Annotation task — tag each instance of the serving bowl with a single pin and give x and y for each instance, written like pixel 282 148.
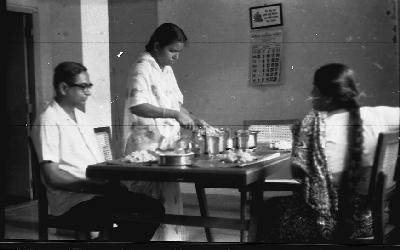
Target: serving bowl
pixel 174 159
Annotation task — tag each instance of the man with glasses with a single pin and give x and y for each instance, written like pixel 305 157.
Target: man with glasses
pixel 66 144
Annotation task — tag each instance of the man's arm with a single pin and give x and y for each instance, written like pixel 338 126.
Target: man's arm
pixel 57 178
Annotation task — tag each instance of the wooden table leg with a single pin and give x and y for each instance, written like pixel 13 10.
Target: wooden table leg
pixel 243 205
pixel 201 197
pixel 2 219
pixel 255 205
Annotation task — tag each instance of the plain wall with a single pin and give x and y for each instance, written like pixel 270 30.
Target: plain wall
pixel 60 35
pixel 213 71
pixel 95 56
pixel 131 23
pixel 65 16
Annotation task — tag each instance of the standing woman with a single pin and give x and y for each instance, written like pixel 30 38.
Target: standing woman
pixel 154 110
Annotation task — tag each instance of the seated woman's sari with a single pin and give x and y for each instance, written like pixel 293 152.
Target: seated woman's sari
pixel 312 214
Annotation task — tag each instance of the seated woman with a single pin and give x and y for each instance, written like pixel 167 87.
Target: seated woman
pixel 333 151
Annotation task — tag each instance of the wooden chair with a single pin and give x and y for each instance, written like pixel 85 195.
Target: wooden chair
pixel 103 135
pixel 2 206
pixel 269 131
pixel 273 131
pixel 381 188
pixel 46 221
pixel 383 184
pixel 394 207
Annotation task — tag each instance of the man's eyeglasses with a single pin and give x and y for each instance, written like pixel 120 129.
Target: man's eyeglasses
pixel 84 86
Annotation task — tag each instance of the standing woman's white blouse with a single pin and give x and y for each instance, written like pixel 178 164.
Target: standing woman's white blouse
pixel 148 83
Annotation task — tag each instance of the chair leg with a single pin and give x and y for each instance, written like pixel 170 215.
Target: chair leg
pixel 2 220
pixel 106 233
pixel 79 235
pixel 243 205
pixel 256 201
pixel 43 232
pixel 201 196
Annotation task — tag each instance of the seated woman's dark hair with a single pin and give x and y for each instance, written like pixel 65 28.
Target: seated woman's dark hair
pixel 67 72
pixel 165 34
pixel 337 81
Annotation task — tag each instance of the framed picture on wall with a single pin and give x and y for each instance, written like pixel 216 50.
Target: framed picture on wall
pixel 266 16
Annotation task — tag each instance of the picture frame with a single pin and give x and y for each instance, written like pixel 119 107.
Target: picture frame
pixel 266 16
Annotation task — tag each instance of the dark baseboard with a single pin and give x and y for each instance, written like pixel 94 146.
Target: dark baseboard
pixel 13 200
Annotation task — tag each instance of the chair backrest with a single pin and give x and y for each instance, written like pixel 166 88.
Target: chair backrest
pixel 271 130
pixel 103 135
pixel 383 183
pixel 40 191
pixel 385 159
pixel 378 209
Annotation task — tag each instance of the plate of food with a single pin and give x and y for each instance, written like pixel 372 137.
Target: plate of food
pixel 236 156
pixel 144 157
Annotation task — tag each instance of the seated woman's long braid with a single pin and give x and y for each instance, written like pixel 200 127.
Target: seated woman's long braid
pixel 338 84
pixel 352 172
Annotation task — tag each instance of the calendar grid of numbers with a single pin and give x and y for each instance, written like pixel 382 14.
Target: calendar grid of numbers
pixel 265 57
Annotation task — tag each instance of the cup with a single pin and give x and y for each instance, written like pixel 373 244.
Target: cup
pixel 252 143
pixel 199 143
pixel 212 145
pixel 222 145
pixel 242 139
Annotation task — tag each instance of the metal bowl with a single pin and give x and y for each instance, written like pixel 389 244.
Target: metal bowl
pixel 175 159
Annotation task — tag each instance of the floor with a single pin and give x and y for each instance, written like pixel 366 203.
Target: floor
pixel 11 200
pixel 21 219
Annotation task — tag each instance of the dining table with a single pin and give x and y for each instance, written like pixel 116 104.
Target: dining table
pixel 205 171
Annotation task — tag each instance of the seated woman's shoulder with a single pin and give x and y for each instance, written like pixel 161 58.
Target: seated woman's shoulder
pixel 381 109
pixel 381 114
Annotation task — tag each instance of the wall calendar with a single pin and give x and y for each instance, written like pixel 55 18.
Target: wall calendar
pixel 265 56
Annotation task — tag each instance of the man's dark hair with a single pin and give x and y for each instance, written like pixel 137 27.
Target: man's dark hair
pixel 67 72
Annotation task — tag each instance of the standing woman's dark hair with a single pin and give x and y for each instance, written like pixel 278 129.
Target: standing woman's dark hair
pixel 165 34
pixel 337 82
pixel 67 72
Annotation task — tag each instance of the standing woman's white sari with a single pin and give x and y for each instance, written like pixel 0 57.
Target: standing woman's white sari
pixel 148 83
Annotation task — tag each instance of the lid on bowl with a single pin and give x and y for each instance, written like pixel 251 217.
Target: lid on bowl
pixel 173 153
pixel 242 131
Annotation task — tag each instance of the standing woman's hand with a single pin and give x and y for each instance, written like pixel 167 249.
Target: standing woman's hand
pixel 201 123
pixel 185 120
